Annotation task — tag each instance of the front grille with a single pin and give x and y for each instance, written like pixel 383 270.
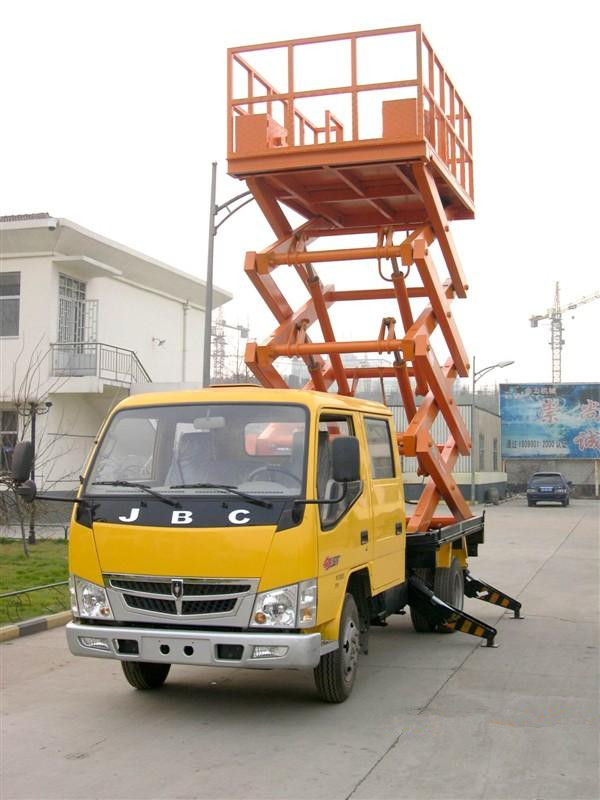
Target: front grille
pixel 207 606
pixel 152 587
pixel 189 589
pixel 214 588
pixel 181 597
pixel 151 604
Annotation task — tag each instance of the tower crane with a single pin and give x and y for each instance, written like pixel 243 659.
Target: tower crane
pixel 554 314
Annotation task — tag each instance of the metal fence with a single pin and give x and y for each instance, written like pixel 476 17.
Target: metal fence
pixel 117 364
pixel 34 601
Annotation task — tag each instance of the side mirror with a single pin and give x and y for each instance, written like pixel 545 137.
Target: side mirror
pixel 22 462
pixel 27 491
pixel 345 456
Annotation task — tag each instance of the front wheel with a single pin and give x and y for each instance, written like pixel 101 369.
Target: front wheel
pixel 144 675
pixel 336 672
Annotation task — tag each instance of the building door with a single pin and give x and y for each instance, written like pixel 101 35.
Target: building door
pixel 77 329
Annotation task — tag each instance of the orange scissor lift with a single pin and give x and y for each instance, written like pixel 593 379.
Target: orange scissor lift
pixel 400 189
pixel 384 160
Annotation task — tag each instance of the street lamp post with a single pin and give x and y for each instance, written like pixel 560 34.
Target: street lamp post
pixel 476 375
pixel 213 227
pixel 36 409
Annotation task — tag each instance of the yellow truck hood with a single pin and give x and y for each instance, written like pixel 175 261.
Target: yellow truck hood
pixel 235 552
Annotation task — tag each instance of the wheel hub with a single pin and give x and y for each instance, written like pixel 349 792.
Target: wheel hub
pixel 350 650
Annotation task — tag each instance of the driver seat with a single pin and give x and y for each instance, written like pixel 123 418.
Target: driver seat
pixel 194 459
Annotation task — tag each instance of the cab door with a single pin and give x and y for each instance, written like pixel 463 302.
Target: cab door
pixel 387 502
pixel 345 538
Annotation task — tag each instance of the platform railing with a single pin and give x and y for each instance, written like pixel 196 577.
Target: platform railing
pixel 441 115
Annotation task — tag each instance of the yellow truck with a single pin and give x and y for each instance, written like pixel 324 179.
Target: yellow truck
pixel 255 528
pixel 263 527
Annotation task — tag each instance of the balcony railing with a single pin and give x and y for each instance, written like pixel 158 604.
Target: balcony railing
pixel 105 361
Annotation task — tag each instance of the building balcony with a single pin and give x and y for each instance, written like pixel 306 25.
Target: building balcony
pixel 105 363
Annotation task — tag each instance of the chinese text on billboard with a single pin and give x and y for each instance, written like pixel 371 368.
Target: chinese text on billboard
pixel 550 420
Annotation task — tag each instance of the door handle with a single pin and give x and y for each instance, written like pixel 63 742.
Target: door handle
pixel 364 537
pixel 399 529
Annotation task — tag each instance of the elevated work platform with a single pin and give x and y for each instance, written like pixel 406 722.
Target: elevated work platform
pixel 345 151
pixel 382 147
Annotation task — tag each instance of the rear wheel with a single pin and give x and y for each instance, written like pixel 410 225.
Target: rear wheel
pixel 419 621
pixel 144 675
pixel 336 672
pixel 449 586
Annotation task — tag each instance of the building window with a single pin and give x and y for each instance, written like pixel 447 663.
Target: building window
pixel 71 287
pixel 481 452
pixel 495 456
pixel 71 310
pixel 9 424
pixel 10 298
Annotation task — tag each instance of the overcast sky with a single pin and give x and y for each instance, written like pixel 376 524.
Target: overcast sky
pixel 113 111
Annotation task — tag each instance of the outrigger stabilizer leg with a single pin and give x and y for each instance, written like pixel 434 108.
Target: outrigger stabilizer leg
pixel 439 612
pixel 483 591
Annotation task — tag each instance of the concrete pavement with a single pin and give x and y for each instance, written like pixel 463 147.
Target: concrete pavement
pixel 431 716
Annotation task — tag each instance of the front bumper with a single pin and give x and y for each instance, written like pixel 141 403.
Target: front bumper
pixel 198 647
pixel 552 497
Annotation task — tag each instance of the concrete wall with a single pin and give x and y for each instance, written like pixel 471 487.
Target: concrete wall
pixel 37 322
pixel 131 317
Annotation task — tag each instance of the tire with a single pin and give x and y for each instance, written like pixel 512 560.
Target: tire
pixel 449 586
pixel 420 622
pixel 336 671
pixel 530 503
pixel 144 675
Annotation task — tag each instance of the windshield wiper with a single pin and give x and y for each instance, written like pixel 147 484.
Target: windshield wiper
pixel 143 487
pixel 256 500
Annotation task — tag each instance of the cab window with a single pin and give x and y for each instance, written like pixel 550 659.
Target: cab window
pixel 331 426
pixel 379 443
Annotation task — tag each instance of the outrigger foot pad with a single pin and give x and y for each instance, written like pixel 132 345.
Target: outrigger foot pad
pixel 438 612
pixel 483 591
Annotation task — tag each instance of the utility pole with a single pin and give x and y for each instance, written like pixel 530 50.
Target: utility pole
pixel 476 375
pixel 213 227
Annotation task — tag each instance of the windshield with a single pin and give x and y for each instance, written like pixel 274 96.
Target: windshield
pixel 547 480
pixel 202 449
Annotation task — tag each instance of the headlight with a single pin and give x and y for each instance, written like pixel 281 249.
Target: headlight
pixel 292 606
pixel 89 599
pixel 530 490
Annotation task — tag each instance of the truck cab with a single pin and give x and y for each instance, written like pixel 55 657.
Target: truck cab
pixel 238 527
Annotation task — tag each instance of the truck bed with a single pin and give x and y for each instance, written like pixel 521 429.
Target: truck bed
pixel 420 547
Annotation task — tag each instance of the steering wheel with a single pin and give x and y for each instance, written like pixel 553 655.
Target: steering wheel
pixel 274 468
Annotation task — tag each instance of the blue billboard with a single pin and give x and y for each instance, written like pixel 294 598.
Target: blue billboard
pixel 550 420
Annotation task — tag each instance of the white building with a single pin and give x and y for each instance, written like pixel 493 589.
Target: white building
pixel 82 318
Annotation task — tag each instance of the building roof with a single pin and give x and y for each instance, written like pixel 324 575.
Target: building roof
pixel 22 217
pixel 41 234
